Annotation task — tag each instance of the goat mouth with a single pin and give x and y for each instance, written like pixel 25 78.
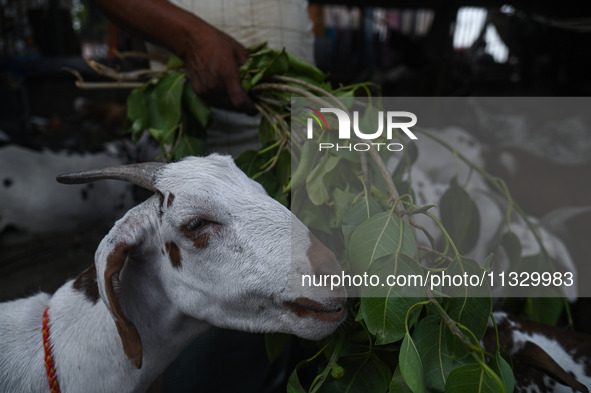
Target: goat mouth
pixel 303 307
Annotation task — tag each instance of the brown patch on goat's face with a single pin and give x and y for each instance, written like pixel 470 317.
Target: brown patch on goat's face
pixel 201 235
pixel 86 282
pixel 201 241
pixel 170 200
pixel 174 254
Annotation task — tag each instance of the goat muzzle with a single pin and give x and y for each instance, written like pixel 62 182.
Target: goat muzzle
pixel 332 310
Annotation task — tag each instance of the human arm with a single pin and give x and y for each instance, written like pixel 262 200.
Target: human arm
pixel 212 57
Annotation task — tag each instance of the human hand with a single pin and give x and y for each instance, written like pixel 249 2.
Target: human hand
pixel 211 56
pixel 213 59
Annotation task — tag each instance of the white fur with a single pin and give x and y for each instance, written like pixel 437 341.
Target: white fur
pixel 28 189
pixel 242 280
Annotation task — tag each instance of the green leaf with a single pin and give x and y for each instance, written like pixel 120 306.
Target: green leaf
pixel 460 217
pixel 164 106
pixel 470 305
pixel 318 180
pixel 397 385
pixel 307 159
pixel 197 107
pixel 282 168
pixel 269 63
pixel 438 360
pixel 293 383
pixel 385 317
pixel 346 154
pixel 255 48
pixel 362 375
pixel 137 114
pixel 360 211
pixel 279 64
pixel 472 312
pixel 471 378
pixel 343 202
pixel 382 234
pixel 545 310
pixel 411 365
pixel 156 133
pixel 174 62
pixel 303 69
pixel 462 271
pixel 317 217
pixel 267 132
pixel 503 369
pixel 488 263
pixel 189 146
pixel 246 161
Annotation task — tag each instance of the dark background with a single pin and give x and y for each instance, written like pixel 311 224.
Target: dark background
pixel 408 48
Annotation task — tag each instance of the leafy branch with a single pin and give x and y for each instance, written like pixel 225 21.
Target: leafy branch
pixel 398 339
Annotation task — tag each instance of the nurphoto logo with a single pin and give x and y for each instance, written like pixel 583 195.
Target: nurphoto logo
pixel 387 121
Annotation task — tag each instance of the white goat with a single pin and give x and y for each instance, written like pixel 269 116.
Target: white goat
pixel 209 248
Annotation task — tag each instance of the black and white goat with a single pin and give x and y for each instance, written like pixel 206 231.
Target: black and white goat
pixel 546 359
pixel 209 248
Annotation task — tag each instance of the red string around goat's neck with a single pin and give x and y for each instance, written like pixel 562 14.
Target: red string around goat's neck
pixel 54 386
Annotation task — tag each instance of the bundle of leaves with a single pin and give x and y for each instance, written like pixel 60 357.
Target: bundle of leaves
pixel 393 342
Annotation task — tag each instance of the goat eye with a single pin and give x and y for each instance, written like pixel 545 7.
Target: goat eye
pixel 195 225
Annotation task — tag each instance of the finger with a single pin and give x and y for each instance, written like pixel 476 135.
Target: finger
pixel 242 55
pixel 239 98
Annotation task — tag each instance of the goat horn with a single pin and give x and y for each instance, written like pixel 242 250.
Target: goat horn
pixel 143 175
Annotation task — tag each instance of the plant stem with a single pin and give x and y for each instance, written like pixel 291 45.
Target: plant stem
pixel 310 87
pixel 433 251
pixel 107 85
pixel 120 76
pixel 268 100
pixel 290 89
pixel 385 173
pixel 320 378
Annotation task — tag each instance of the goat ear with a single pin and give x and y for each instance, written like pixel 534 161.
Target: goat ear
pixel 130 338
pixel 110 259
